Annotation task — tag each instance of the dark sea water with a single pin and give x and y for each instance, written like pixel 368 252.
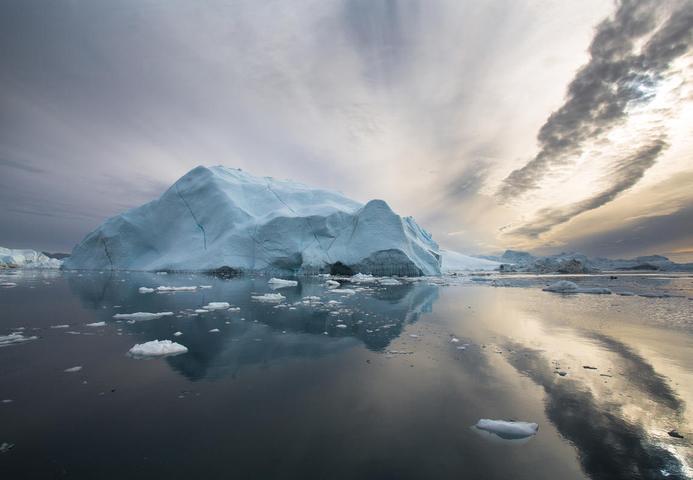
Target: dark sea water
pixel 288 393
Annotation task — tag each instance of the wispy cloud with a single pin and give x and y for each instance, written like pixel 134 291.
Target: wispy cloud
pixel 629 55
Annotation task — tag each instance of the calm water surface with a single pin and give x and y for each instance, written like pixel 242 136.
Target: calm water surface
pixel 289 393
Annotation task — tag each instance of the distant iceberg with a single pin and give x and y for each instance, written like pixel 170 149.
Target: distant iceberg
pixel 157 348
pixel 22 258
pixel 508 430
pixel 457 262
pixel 222 218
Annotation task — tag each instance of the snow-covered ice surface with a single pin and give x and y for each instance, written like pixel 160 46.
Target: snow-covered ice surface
pixel 269 297
pixel 508 430
pixel 218 216
pixel 25 258
pixel 157 348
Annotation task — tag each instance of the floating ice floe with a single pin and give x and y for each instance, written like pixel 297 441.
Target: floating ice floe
pixel 281 283
pixel 157 348
pixel 214 330
pixel 140 316
pixel 13 338
pixel 146 290
pixel 362 278
pixel 73 369
pixel 565 286
pixel 96 324
pixel 508 430
pixel 177 334
pixel 216 306
pixel 341 325
pixel 332 284
pixel 164 289
pixel 205 286
pixel 60 326
pixel 389 281
pixel 345 291
pixel 269 297
pixel 8 284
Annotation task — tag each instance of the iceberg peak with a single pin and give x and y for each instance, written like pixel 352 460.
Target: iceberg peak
pixel 215 217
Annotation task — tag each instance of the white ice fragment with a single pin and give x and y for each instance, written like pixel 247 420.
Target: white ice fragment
pixel 269 297
pixel 140 316
pixel 163 289
pixel 12 338
pixel 217 306
pixel 157 348
pixel 205 286
pixel 214 330
pixel 389 281
pixel 332 284
pixel 60 326
pixel 73 369
pixel 362 278
pixel 341 325
pixel 96 324
pixel 508 430
pixel 177 334
pixel 281 283
pixel 565 286
pixel 8 284
pixel 345 291
pixel 146 290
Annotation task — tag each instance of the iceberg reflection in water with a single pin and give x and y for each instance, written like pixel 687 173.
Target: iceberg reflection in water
pixel 366 379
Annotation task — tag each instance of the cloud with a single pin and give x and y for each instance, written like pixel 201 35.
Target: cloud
pixel 624 175
pixel 4 162
pixel 618 76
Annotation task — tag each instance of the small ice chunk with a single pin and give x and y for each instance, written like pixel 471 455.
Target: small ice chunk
pixel 455 340
pixel 565 286
pixel 341 325
pixel 177 334
pixel 281 283
pixel 363 278
pixel 164 288
pixel 345 291
pixel 157 348
pixel 146 290
pixel 214 330
pixel 140 316
pixel 389 281
pixel 8 284
pixel 508 430
pixel 12 338
pixel 205 286
pixel 217 306
pixel 96 324
pixel 60 326
pixel 332 284
pixel 269 297
pixel 73 369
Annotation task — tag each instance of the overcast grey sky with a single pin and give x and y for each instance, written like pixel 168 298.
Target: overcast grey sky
pixel 539 124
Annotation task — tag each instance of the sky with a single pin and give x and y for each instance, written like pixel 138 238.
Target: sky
pixel 538 125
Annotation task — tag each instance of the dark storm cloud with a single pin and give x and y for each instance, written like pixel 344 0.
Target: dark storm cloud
pixel 616 77
pixel 623 176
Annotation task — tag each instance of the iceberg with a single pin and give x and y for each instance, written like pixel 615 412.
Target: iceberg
pixel 223 218
pixel 458 262
pixel 157 348
pixel 21 258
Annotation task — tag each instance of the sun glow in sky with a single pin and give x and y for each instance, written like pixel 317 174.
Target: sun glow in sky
pixel 542 125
